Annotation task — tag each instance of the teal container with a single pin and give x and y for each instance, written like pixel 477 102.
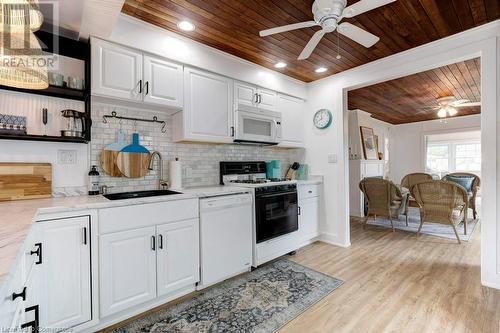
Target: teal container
pixel 273 169
pixel 303 172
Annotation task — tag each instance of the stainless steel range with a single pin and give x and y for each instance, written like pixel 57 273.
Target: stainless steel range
pixel 276 206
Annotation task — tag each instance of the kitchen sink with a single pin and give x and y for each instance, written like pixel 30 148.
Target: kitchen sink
pixel 138 194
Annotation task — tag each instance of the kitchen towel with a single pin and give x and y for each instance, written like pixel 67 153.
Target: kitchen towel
pixel 175 174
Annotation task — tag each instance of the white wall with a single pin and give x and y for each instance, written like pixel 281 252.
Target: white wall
pixel 407 152
pixel 331 93
pixel 144 36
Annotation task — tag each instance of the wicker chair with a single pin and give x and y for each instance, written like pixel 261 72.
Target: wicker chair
pixel 408 181
pixel 442 202
pixel 384 198
pixel 473 189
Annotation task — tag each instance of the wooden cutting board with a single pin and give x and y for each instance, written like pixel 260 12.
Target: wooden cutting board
pixel 20 181
pixel 133 165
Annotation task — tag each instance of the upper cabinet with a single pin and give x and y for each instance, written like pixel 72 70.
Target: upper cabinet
pixel 292 121
pixel 162 82
pixel 250 96
pixel 127 74
pixel 208 108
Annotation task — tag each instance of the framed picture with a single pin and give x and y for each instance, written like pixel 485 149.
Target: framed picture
pixel 370 149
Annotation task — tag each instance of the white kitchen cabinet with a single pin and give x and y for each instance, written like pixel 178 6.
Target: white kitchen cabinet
pixel 267 99
pixel 116 71
pixel 65 276
pixel 247 96
pixel 177 255
pixel 208 108
pixel 127 269
pixel 308 219
pixel 163 82
pixel 292 121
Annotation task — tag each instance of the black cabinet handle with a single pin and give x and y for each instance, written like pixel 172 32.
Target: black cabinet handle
pixel 84 235
pixel 38 253
pixel 22 294
pixel 34 323
pixel 160 241
pixel 147 87
pixel 140 86
pixel 153 243
pixel 256 98
pixel 232 130
pixel 299 211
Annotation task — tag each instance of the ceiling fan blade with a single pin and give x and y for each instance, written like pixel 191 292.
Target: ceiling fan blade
pixel 288 27
pixel 363 6
pixel 311 45
pixel 358 35
pixel 467 104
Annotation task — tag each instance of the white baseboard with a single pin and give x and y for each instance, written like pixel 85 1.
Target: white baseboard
pixel 333 239
pixel 490 285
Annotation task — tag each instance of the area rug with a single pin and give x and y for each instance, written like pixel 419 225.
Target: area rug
pixel 259 301
pixel 434 229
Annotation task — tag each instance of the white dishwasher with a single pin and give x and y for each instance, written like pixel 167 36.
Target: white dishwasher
pixel 225 237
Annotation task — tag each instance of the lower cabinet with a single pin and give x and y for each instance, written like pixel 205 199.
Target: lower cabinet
pixel 308 219
pixel 177 256
pixel 58 286
pixel 138 265
pixel 127 269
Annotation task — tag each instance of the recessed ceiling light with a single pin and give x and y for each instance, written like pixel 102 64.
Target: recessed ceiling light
pixel 321 69
pixel 185 25
pixel 280 64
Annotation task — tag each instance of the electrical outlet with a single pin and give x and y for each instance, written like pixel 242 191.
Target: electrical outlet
pixel 332 158
pixel 66 156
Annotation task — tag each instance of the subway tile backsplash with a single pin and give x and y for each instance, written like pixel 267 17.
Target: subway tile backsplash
pixel 200 162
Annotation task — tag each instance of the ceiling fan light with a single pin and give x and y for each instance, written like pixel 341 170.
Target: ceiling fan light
pixel 321 69
pixel 452 111
pixel 441 113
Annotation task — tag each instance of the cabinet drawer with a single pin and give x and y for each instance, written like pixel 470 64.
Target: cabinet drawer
pixel 137 216
pixel 308 191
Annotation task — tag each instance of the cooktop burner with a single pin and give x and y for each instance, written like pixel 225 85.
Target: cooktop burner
pixel 258 181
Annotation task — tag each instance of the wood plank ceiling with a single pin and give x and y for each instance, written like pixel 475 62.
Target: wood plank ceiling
pixel 233 26
pixel 413 98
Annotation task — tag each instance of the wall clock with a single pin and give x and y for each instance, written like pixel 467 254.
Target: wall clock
pixel 322 118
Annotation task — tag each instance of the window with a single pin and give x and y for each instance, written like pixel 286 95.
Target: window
pixel 453 152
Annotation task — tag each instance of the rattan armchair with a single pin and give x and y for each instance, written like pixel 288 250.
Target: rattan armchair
pixel 408 181
pixel 441 202
pixel 384 198
pixel 473 189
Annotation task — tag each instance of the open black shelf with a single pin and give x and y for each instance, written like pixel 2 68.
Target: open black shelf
pixel 69 48
pixel 53 91
pixel 42 138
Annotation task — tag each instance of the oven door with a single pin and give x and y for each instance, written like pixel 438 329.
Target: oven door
pixel 276 214
pixel 257 127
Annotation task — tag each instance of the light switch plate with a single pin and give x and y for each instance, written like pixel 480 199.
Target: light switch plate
pixel 66 156
pixel 332 158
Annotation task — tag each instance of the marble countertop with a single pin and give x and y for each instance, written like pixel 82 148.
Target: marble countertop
pixel 313 180
pixel 16 217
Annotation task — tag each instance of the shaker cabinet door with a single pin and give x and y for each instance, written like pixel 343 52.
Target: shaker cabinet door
pixel 116 71
pixel 163 82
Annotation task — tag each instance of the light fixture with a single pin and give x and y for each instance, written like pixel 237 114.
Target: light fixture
pixel 280 64
pixel 186 25
pixel 321 69
pixel 441 113
pixel 452 111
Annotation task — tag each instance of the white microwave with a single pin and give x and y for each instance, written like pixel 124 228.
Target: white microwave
pixel 258 127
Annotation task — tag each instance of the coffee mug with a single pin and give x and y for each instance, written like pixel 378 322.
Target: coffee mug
pixel 56 79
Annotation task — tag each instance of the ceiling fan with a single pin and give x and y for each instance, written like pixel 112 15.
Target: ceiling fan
pixel 448 105
pixel 327 15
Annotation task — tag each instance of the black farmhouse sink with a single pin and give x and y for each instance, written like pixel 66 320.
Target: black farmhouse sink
pixel 138 194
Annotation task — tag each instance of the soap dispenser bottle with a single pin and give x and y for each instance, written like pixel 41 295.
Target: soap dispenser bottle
pixel 93 181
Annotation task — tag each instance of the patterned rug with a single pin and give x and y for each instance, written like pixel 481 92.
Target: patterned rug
pixel 434 229
pixel 260 301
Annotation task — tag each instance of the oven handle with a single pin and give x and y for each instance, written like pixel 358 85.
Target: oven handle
pixel 274 194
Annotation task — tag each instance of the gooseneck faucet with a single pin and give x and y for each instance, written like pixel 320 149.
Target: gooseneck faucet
pixel 162 184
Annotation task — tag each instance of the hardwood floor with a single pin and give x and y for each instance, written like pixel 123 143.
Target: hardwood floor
pixel 395 283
